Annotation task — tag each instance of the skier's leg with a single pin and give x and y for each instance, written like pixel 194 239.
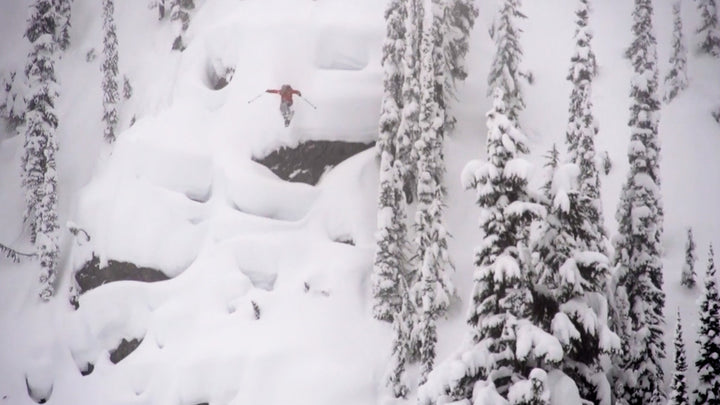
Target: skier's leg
pixel 286 113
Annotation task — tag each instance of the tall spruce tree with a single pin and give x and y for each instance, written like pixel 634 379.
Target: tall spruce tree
pixel 459 19
pixel 111 96
pixel 63 9
pixel 676 79
pixel 679 393
pixel 687 277
pixel 581 133
pixel 499 315
pixel 637 245
pixel 708 358
pixel 392 232
pixel 569 285
pixel 39 177
pixel 709 29
pixel 409 128
pixel 505 69
pixel 434 287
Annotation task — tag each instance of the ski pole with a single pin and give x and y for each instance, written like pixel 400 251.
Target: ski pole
pixel 256 97
pixel 306 100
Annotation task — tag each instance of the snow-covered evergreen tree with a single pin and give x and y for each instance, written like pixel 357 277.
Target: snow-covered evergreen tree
pixel 505 344
pixel 580 136
pixel 637 245
pixel 676 79
pixel 392 233
pixel 38 162
pixel 12 98
pixel 402 349
pixel 111 96
pixel 688 271
pixel 64 8
pixel 569 286
pixel 434 287
pixel 409 129
pixel 679 393
pixel 583 57
pixel 708 358
pixel 501 297
pixel 552 161
pixel 709 29
pixel 459 19
pixel 505 69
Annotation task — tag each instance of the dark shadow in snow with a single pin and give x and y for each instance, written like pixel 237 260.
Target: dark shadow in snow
pixel 124 349
pixel 308 161
pixel 91 275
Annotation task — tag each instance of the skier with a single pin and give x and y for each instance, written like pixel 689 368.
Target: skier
pixel 286 101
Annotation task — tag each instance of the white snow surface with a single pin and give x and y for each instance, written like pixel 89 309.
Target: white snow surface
pixel 179 192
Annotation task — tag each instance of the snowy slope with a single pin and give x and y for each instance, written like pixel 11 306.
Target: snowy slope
pixel 179 192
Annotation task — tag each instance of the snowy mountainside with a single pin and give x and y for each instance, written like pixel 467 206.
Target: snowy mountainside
pixel 179 192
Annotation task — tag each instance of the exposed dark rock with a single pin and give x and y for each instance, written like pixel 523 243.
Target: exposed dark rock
pixel 124 349
pixel 91 275
pixel 38 394
pixel 307 162
pixel 219 77
pixel 89 367
pixel 348 240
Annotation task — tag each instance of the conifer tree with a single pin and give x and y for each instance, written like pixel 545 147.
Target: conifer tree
pixel 679 394
pixel 505 68
pixel 111 96
pixel 688 271
pixel 708 358
pixel 569 286
pixel 434 287
pixel 459 19
pixel 709 29
pixel 402 344
pixel 637 245
pixel 38 163
pixel 499 315
pixel 552 161
pixel 392 233
pixel 676 79
pixel 581 133
pixel 12 98
pixel 63 8
pixel 409 129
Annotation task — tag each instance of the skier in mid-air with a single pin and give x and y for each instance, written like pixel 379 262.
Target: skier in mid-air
pixel 286 101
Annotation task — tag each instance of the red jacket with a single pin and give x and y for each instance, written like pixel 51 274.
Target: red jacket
pixel 286 92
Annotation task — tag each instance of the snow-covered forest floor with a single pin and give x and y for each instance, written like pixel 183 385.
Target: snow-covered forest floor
pixel 179 192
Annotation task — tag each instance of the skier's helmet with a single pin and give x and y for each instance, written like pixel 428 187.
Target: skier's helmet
pixel 285 87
